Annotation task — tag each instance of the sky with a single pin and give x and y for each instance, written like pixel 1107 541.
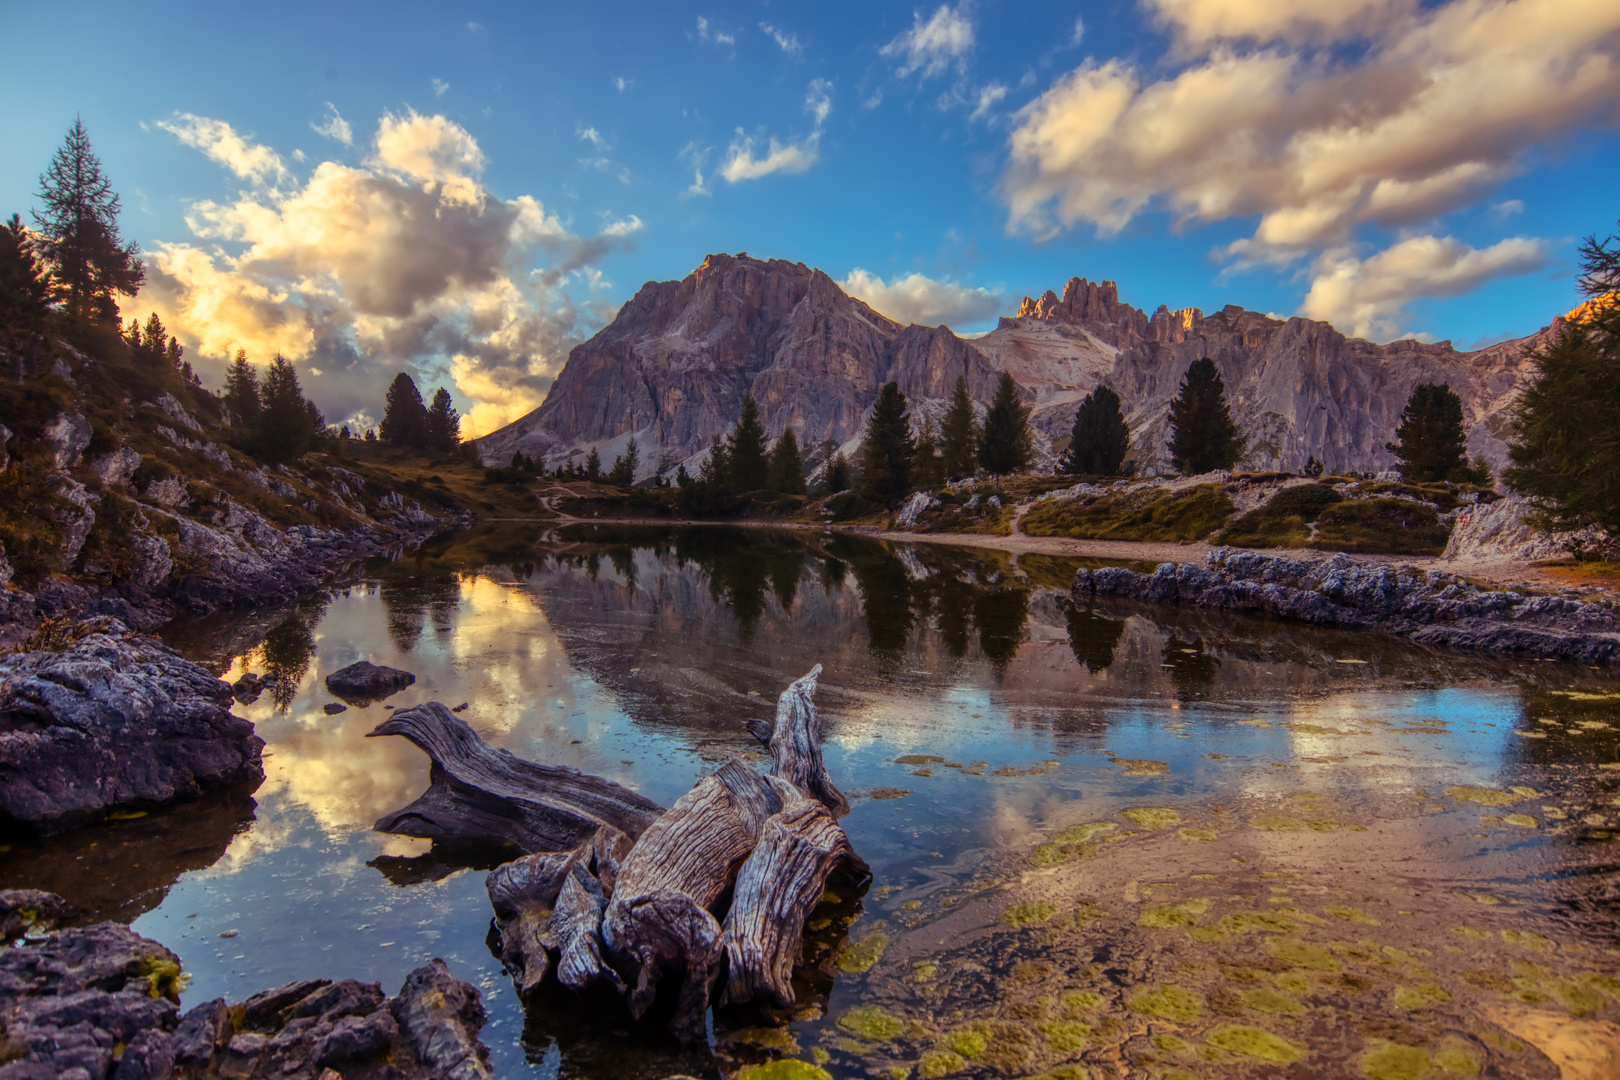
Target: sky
pixel 465 191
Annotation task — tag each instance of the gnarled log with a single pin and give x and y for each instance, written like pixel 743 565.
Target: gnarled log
pixel 524 893
pixel 577 921
pixel 795 743
pixel 479 793
pixel 777 887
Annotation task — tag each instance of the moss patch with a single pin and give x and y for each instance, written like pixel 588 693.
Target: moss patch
pixel 1254 1042
pixel 1143 514
pixel 1350 914
pixel 1268 1000
pixel 1195 833
pixel 858 958
pixel 785 1069
pixel 1152 817
pixel 1171 916
pixel 1064 1036
pixel 872 1022
pixel 1484 796
pixel 1083 1000
pixel 1314 957
pixel 1393 1061
pixel 1169 1002
pixel 1020 915
pixel 1274 822
pixel 938 1063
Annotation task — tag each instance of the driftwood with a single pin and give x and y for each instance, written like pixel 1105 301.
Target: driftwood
pixel 577 922
pixel 524 893
pixel 795 743
pixel 777 887
pixel 478 793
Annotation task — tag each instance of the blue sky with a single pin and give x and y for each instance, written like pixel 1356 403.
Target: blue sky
pixel 466 190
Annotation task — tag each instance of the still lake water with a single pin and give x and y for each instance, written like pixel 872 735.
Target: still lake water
pixel 1147 842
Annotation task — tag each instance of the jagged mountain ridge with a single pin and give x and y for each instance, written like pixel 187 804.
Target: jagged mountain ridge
pixel 672 368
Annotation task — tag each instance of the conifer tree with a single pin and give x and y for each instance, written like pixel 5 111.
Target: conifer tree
pixel 887 450
pixel 404 421
pixel 1100 437
pixel 623 473
pixel 927 467
pixel 25 285
pixel 443 424
pixel 1202 435
pixel 242 392
pixel 1006 443
pixel 960 435
pixel 837 474
pixel 593 465
pixel 750 465
pixel 78 233
pixel 287 422
pixel 1431 445
pixel 787 467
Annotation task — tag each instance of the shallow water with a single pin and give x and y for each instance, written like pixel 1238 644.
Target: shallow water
pixel 1139 840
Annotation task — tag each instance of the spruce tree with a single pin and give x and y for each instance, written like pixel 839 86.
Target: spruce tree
pixel 1100 437
pixel 750 464
pixel 443 424
pixel 404 421
pixel 787 467
pixel 623 473
pixel 593 465
pixel 287 423
pixel 927 467
pixel 1006 444
pixel 25 285
pixel 887 450
pixel 242 392
pixel 1202 435
pixel 837 474
pixel 960 435
pixel 78 233
pixel 1431 445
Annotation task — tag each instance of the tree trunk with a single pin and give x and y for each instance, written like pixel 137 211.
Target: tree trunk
pixel 795 743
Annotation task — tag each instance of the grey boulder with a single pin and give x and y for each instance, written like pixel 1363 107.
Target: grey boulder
pixel 366 682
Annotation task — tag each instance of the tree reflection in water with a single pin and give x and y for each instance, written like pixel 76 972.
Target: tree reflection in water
pixel 412 602
pixel 288 648
pixel 1001 614
pixel 886 606
pixel 1191 668
pixel 1093 638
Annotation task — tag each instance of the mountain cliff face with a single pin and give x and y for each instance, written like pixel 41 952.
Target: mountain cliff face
pixel 673 367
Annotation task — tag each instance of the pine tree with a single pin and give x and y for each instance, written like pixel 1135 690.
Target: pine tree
pixel 1432 445
pixel 151 341
pixel 404 421
pixel 1202 435
pixel 960 434
pixel 1313 468
pixel 593 465
pixel 25 285
pixel 287 423
pixel 750 465
pixel 927 467
pixel 443 424
pixel 887 450
pixel 78 233
pixel 1100 437
pixel 623 473
pixel 1005 445
pixel 242 392
pixel 837 474
pixel 787 466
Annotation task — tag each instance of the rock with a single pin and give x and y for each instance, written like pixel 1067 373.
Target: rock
pixel 27 910
pixel 176 411
pixel 113 721
pixel 912 508
pixel 202 1033
pixel 442 1017
pixel 150 562
pixel 76 523
pixel 67 436
pixel 5 569
pixel 149 1056
pixel 169 491
pixel 364 682
pixel 332 708
pixel 116 468
pixel 5 455
pixel 1498 531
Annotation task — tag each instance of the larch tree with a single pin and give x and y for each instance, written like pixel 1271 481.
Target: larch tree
pixel 1100 437
pixel 1202 435
pixel 404 421
pixel 887 449
pixel 959 435
pixel 1006 444
pixel 91 266
pixel 750 461
pixel 443 424
pixel 1431 444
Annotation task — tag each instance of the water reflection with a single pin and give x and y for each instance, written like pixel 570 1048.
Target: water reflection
pixel 288 649
pixel 1092 637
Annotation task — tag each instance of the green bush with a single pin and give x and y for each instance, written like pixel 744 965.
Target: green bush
pixel 1190 514
pixel 1381 526
pixel 846 505
pixel 1284 521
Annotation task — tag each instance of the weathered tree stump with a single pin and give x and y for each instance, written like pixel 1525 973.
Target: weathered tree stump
pixel 524 893
pixel 777 887
pixel 478 793
pixel 795 743
pixel 577 923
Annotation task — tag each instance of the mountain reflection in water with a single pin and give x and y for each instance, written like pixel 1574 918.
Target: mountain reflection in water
pixel 1068 811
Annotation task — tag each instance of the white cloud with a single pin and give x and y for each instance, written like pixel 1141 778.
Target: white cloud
pixel 708 33
pixel 439 87
pixel 931 47
pixel 795 156
pixel 1366 297
pixel 221 143
pixel 1506 208
pixel 621 84
pixel 1439 105
pixel 408 260
pixel 919 299
pixel 988 97
pixel 787 42
pixel 695 157
pixel 592 136
pixel 334 127
pixel 1079 33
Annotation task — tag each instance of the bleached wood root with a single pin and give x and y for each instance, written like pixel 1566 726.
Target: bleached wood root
pixel 795 743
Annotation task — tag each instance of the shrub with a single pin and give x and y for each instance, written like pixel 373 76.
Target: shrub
pixel 1284 521
pixel 1152 515
pixel 1381 526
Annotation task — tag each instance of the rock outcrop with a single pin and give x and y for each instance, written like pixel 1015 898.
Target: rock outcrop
pixel 672 368
pixel 1431 608
pixel 113 721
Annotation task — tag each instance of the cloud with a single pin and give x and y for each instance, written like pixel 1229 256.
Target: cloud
pixel 791 157
pixel 1506 208
pixel 919 299
pixel 621 84
pixel 694 157
pixel 988 97
pixel 719 37
pixel 931 47
pixel 592 136
pixel 1439 106
pixel 1079 33
pixel 787 42
pixel 407 262
pixel 1365 297
pixel 334 127
pixel 439 87
pixel 221 143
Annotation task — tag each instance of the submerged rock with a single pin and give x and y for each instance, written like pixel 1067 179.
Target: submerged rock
pixel 1431 608
pixel 114 720
pixel 364 682
pixel 23 910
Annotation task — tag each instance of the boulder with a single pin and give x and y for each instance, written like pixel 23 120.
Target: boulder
pixel 177 412
pixel 77 522
pixel 114 720
pixel 67 437
pixel 364 682
pixel 5 455
pixel 27 910
pixel 116 468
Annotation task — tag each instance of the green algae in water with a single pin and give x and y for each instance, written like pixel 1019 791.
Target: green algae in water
pixel 1350 914
pixel 1171 916
pixel 1484 796
pixel 784 1069
pixel 969 1042
pixel 1064 1036
pixel 872 1022
pixel 1294 981
pixel 1195 833
pixel 1030 971
pixel 1275 822
pixel 859 958
pixel 1314 957
pixel 1064 1072
pixel 1268 1000
pixel 923 970
pixel 919 759
pixel 1393 1061
pixel 163 978
pixel 1141 767
pixel 1254 1042
pixel 1086 1000
pixel 768 1038
pixel 1152 817
pixel 821 1056
pixel 937 1063
pixel 898 1072
pixel 1169 1002
pixel 1418 997
pixel 1020 915
pixel 1080 834
pixel 1523 821
pixel 1254 922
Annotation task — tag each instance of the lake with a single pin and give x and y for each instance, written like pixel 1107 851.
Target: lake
pixel 1125 839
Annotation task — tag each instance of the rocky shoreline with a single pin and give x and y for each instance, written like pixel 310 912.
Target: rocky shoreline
pixel 1430 608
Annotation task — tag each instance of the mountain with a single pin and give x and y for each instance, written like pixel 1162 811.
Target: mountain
pixel 672 368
